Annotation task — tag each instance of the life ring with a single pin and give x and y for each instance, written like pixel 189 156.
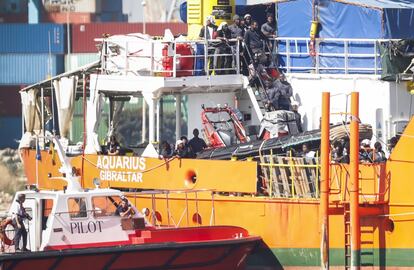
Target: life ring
pixel 3 236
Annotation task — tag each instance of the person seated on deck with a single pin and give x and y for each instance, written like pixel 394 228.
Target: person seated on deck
pixel 306 152
pixel 365 151
pixel 113 147
pixel 165 150
pixel 182 150
pixel 338 152
pixel 378 155
pixel 125 209
pixel 197 144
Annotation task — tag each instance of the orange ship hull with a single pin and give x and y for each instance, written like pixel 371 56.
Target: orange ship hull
pixel 290 227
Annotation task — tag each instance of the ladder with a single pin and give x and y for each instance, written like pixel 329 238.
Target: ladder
pixel 347 226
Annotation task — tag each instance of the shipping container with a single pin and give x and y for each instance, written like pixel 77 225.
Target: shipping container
pixel 14 18
pixel 29 68
pixel 86 6
pixel 83 35
pixel 13 6
pixel 111 6
pixel 111 17
pixel 13 125
pixel 76 60
pixel 32 38
pixel 74 17
pixel 10 102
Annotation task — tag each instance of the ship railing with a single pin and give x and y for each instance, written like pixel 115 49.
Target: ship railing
pixel 328 55
pixel 164 59
pixel 290 177
pixel 190 198
pixel 374 183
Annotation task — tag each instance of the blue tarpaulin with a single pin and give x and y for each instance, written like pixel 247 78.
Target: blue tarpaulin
pixel 347 19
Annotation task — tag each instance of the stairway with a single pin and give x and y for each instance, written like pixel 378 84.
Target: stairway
pixel 347 226
pixel 367 246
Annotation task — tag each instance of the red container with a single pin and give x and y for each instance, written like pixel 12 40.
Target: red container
pixel 14 18
pixel 83 35
pixel 10 102
pixel 74 17
pixel 185 65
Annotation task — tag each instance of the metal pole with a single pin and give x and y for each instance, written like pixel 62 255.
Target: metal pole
pixel 324 201
pixel 42 105
pixel 144 120
pixel 68 33
pixel 354 188
pixel 178 116
pixel 143 3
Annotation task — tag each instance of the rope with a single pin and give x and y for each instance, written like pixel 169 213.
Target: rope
pixel 144 171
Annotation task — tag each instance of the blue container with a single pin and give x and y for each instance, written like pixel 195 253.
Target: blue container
pixel 28 68
pixel 111 6
pixel 199 62
pixel 13 125
pixel 32 38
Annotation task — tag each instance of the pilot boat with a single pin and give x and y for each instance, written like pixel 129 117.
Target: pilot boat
pixel 77 226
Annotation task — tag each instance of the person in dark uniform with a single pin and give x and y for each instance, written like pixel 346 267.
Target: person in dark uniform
pixel 298 117
pixel 223 63
pixel 19 215
pixel 254 41
pixel 197 144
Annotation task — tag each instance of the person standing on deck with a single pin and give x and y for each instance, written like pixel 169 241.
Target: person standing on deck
pixel 19 215
pixel 298 117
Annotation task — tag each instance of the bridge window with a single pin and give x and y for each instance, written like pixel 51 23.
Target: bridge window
pixel 77 208
pixel 104 206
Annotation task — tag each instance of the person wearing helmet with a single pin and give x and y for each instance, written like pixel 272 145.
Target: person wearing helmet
pixel 247 21
pixel 365 151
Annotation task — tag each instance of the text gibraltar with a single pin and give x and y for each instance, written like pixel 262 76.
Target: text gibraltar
pixel 122 169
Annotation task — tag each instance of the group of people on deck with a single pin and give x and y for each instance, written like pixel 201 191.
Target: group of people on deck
pixel 341 152
pixel 184 148
pixel 225 38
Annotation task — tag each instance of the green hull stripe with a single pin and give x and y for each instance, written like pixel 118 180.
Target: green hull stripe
pixel 311 257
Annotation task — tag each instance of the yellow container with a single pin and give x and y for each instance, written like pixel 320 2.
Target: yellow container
pixel 198 10
pixel 314 29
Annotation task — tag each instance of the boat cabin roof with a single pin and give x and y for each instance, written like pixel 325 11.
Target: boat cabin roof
pixel 60 193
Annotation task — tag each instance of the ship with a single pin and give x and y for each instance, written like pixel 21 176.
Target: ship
pixel 310 212
pixel 99 229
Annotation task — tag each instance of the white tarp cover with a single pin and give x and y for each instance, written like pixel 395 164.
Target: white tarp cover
pixel 138 47
pixel 94 114
pixel 30 110
pixel 65 89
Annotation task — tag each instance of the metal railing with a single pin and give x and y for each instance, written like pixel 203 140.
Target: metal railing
pixel 171 59
pixel 292 54
pixel 290 177
pixel 328 55
pixel 164 195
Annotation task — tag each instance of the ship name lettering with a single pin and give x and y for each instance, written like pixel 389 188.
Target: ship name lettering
pixel 83 228
pixel 116 162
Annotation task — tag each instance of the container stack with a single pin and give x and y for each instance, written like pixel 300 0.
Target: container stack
pixel 28 53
